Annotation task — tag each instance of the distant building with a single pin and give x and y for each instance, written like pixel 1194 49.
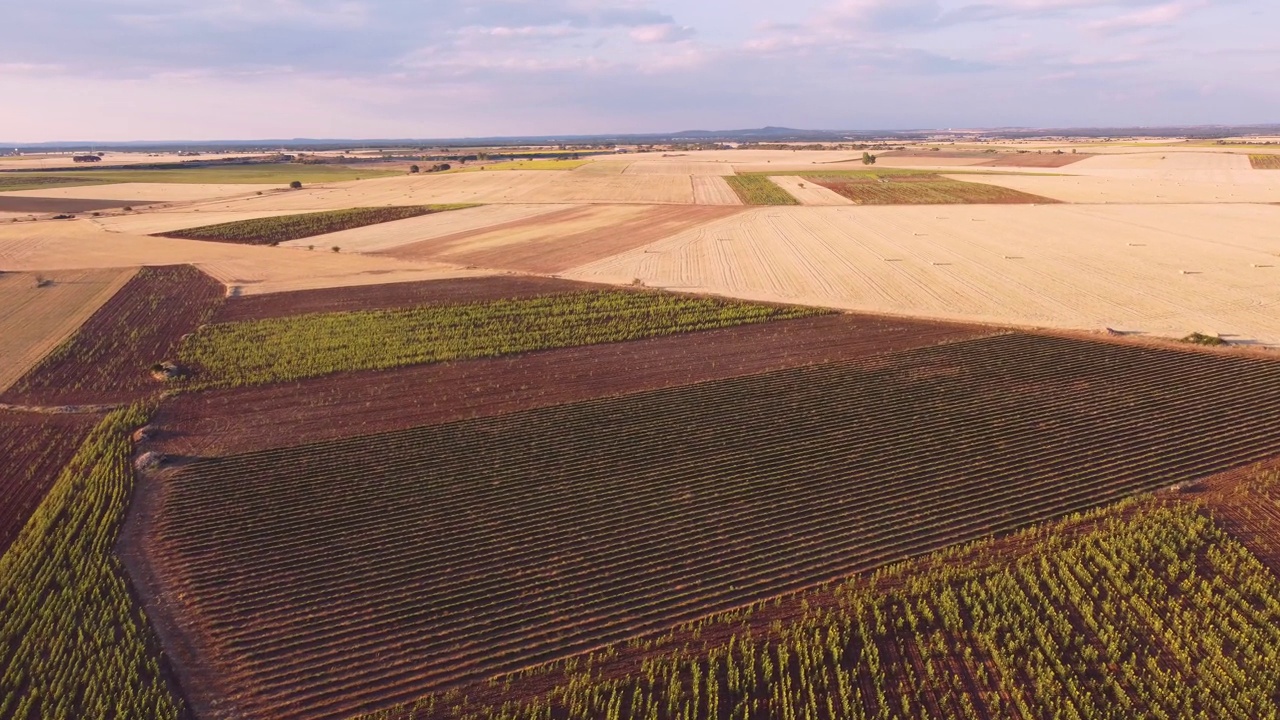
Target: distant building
pixel 87 158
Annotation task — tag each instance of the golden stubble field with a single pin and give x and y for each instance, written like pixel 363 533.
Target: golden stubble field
pixel 43 309
pixel 1161 270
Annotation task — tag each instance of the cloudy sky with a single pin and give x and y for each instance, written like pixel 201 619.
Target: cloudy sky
pixel 238 69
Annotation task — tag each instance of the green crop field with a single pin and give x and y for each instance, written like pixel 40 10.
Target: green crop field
pixel 282 228
pixel 759 190
pixel 280 349
pixel 75 643
pixel 27 181
pixel 264 174
pixel 1118 615
pixel 1265 162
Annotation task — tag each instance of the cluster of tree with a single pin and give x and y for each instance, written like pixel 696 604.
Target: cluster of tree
pixel 438 167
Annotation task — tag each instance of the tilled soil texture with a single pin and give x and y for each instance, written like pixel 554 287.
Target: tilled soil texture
pixel 40 205
pixel 558 241
pixel 924 190
pixel 224 422
pixel 340 577
pixel 1265 162
pixel 34 447
pixel 1036 160
pixel 393 296
pixel 110 357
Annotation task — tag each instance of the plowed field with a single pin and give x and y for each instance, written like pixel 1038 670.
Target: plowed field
pixel 224 422
pixel 558 241
pixel 922 190
pixel 34 448
pixel 328 579
pixel 43 309
pixel 109 359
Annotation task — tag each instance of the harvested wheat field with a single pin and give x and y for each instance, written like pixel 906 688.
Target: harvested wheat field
pixel 554 242
pixel 1129 187
pixel 146 192
pixel 1034 160
pixel 678 167
pixel 809 192
pixel 1167 271
pixel 246 269
pixel 163 221
pixel 387 236
pixel 43 309
pixel 922 189
pixel 713 190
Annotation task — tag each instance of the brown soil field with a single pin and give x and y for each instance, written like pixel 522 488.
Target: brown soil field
pixel 335 578
pixel 109 358
pixel 34 447
pixel 1035 160
pixel 387 236
pixel 390 296
pixel 224 422
pixel 1265 162
pixel 558 241
pixel 924 190
pixel 43 205
pixel 43 309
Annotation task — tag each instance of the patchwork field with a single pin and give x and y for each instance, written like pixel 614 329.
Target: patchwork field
pixel 920 189
pixel 1265 162
pixel 1158 270
pixel 43 309
pixel 35 448
pixel 490 545
pixel 290 228
pixel 553 242
pixel 808 191
pixel 429 227
pixel 139 193
pixel 109 359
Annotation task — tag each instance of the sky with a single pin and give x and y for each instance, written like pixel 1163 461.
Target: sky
pixel 118 70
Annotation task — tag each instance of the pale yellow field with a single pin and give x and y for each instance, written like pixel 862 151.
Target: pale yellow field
pixel 153 192
pixel 809 192
pixel 678 166
pixel 37 319
pixel 713 190
pixel 249 270
pixel 1167 270
pixel 385 236
pixel 1129 187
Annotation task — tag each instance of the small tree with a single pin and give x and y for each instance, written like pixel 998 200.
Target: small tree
pixel 868 159
pixel 415 169
pixel 336 248
pixel 296 185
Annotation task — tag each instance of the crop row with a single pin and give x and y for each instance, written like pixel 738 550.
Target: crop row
pixel 1265 162
pixel 922 190
pixel 350 575
pixel 74 643
pixel 282 228
pixel 110 358
pixel 1121 621
pixel 33 450
pixel 282 349
pixel 759 190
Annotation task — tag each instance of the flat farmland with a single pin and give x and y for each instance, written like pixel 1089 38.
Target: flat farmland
pixel 47 246
pixel 239 420
pixel 148 192
pixel 288 228
pixel 676 166
pixel 160 221
pixel 393 296
pixel 388 236
pixel 553 242
pixel 45 205
pixel 921 189
pixel 35 447
pixel 43 309
pixel 1265 162
pixel 1158 270
pixel 807 191
pixel 1035 160
pixel 330 579
pixel 713 190
pixel 108 359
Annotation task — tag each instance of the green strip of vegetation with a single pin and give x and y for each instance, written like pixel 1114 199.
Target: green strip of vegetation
pixel 75 644
pixel 23 181
pixel 259 173
pixel 1113 615
pixel 758 189
pixel 282 349
pixel 282 228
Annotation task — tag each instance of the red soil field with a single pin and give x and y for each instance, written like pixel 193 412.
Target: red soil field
pixel 109 358
pixel 34 447
pixel 562 252
pixel 393 296
pixel 236 420
pixel 341 577
pixel 1036 160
